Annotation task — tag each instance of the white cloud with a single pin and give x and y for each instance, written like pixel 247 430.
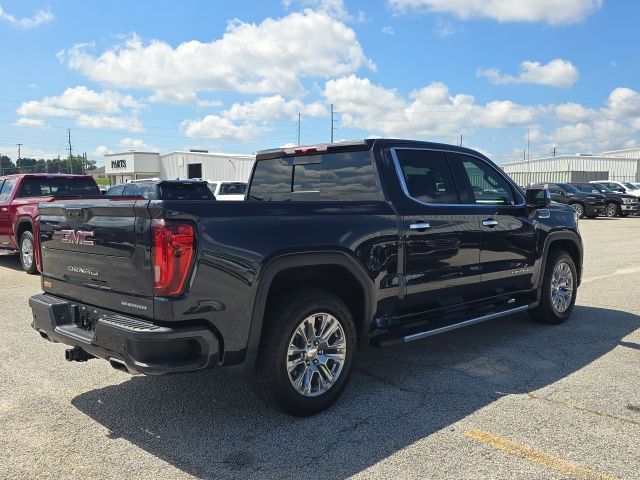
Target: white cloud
pixel 29 122
pixel 130 124
pixel 428 112
pixel 273 109
pixel 553 12
pixel 179 97
pixel 615 124
pixel 101 151
pixel 256 118
pixel 215 126
pixel 40 17
pixel 556 73
pixel 89 108
pixel 270 57
pixel 573 112
pixel 79 99
pixel 624 102
pixel 388 30
pixel 333 8
pixel 137 144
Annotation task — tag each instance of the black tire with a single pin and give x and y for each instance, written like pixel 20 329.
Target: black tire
pixel 545 312
pixel 612 210
pixel 281 321
pixel 579 208
pixel 27 243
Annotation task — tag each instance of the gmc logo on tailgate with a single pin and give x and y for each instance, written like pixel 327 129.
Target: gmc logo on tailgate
pixel 77 237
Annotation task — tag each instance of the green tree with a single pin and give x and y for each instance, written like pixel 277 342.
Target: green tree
pixel 26 165
pixel 41 166
pixel 7 167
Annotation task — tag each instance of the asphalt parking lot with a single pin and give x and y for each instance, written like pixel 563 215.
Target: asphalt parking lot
pixel 505 399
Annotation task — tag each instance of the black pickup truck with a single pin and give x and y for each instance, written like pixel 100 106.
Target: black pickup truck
pixel 376 242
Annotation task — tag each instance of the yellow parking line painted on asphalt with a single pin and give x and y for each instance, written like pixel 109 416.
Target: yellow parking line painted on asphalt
pixel 535 456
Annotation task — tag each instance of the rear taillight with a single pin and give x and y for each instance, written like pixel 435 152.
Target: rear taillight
pixel 173 245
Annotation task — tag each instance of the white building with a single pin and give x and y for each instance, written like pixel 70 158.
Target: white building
pixel 127 166
pixel 623 165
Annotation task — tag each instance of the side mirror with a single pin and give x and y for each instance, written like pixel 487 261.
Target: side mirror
pixel 538 198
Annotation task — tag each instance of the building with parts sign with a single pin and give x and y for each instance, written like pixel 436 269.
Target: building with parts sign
pixel 127 166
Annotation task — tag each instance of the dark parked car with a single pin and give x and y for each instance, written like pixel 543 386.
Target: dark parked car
pixel 588 205
pixel 163 190
pixel 378 242
pixel 615 204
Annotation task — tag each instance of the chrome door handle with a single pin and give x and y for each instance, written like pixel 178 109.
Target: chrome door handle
pixel 490 223
pixel 419 226
pixel 5 210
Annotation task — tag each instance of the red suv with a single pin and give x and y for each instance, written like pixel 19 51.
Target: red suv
pixel 19 199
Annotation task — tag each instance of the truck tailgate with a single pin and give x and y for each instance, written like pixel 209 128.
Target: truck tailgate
pixel 98 252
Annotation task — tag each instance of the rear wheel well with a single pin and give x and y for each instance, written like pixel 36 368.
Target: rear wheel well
pixel 572 249
pixel 333 278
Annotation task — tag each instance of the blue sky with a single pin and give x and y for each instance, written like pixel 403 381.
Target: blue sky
pixel 233 76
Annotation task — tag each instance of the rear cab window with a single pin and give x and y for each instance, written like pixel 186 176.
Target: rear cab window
pixel 115 191
pixel 339 176
pixel 32 187
pixel 185 191
pixel 234 188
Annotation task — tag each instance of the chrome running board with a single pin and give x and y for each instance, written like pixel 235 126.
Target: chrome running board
pixel 466 323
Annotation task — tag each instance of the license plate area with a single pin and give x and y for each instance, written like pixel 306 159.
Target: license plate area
pixel 85 317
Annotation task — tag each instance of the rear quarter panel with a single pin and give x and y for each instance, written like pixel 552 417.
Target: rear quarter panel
pixel 237 240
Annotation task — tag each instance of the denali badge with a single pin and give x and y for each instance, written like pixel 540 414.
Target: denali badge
pixel 77 237
pixel 133 305
pixel 86 271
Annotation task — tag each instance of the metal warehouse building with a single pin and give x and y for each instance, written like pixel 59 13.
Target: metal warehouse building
pixel 622 165
pixel 127 166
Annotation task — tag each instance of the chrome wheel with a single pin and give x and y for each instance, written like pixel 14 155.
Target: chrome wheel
pixel 316 354
pixel 611 209
pixel 26 250
pixel 561 287
pixel 578 208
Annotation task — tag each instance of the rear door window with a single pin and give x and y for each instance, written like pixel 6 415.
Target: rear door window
pixel 427 176
pixel 7 188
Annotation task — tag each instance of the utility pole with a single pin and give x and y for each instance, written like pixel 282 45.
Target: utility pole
pixel 18 161
pixel 70 148
pixel 298 128
pixel 554 151
pixel 460 139
pixel 332 128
